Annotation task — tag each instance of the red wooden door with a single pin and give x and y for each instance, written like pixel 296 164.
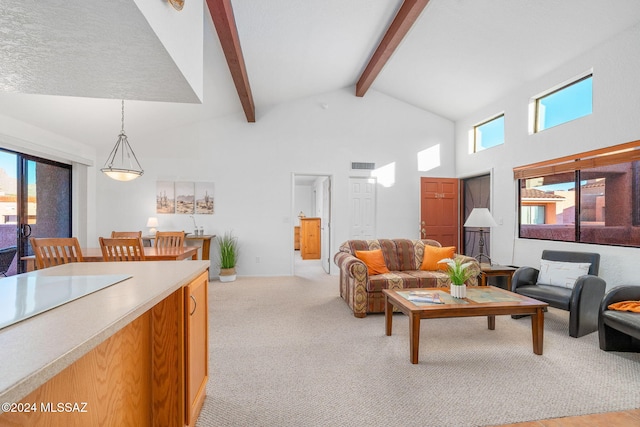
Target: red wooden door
pixel 439 211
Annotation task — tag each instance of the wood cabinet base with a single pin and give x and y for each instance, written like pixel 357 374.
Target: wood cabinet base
pixel 197 348
pixel 310 238
pixel 137 377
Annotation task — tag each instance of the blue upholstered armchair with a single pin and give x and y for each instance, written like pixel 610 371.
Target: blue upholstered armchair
pixel 569 281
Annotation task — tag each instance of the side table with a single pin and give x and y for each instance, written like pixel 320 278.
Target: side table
pixel 206 243
pixel 487 270
pixel 204 239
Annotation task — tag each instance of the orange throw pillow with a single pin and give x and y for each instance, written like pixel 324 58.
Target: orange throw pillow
pixel 433 254
pixel 374 261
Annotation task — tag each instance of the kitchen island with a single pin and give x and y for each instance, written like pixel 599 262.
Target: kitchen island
pixel 132 353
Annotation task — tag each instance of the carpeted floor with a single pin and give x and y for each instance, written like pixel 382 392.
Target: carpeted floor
pixel 287 351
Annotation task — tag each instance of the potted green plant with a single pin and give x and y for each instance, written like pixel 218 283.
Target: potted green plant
pixel 228 245
pixel 458 274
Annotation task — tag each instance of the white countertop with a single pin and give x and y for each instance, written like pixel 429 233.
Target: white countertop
pixel 34 350
pixel 24 296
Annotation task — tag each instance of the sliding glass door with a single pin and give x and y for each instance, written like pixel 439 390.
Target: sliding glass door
pixel 35 201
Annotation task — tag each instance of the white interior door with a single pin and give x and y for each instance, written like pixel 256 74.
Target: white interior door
pixel 325 225
pixel 362 208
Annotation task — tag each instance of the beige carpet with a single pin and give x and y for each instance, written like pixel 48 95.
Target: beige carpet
pixel 287 351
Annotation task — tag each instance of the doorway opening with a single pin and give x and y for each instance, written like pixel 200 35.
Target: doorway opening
pixel 311 213
pixel 35 201
pixel 476 194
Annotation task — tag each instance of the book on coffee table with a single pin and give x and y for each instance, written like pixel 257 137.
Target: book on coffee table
pixel 419 296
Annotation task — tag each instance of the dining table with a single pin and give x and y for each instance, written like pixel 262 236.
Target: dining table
pixel 150 254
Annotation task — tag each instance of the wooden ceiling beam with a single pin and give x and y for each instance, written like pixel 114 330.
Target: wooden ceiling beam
pixel 225 23
pixel 406 16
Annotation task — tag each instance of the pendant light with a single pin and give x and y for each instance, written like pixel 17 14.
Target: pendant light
pixel 122 164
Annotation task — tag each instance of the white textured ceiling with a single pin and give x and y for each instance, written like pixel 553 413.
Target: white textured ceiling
pixel 459 56
pixel 97 49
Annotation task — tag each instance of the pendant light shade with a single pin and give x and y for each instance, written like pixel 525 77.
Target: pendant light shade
pixel 122 164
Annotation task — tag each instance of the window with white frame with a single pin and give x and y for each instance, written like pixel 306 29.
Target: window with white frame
pixel 488 134
pixel 562 105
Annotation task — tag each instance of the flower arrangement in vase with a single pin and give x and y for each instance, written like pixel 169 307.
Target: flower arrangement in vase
pixel 458 274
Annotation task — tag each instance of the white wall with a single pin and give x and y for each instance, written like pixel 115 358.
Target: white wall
pixel 251 165
pixel 303 202
pixel 615 120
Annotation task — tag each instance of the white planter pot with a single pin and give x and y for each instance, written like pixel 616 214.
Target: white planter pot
pixel 229 278
pixel 227 274
pixel 458 291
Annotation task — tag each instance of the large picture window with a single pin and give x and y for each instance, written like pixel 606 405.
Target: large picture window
pixel 591 197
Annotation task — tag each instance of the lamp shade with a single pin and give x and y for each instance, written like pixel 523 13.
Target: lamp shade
pixel 122 164
pixel 481 218
pixel 152 223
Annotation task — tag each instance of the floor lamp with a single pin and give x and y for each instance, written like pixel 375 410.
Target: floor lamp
pixel 481 218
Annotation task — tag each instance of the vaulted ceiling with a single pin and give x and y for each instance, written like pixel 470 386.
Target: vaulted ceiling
pixel 64 64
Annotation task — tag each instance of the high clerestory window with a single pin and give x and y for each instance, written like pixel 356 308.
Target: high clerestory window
pixel 561 105
pixel 591 197
pixel 488 134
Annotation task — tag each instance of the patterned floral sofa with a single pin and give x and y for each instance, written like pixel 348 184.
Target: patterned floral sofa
pixel 403 258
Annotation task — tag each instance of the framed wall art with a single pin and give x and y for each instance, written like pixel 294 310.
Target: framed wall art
pixel 165 197
pixel 204 198
pixel 185 198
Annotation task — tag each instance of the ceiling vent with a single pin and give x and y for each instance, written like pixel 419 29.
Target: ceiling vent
pixel 363 165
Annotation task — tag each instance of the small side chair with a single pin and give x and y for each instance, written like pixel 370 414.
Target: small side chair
pixel 581 300
pixel 619 330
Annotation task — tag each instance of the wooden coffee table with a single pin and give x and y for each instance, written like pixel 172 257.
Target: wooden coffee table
pixel 481 301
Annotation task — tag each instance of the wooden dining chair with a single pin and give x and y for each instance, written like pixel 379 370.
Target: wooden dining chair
pixel 134 234
pixel 122 249
pixel 169 239
pixel 52 251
